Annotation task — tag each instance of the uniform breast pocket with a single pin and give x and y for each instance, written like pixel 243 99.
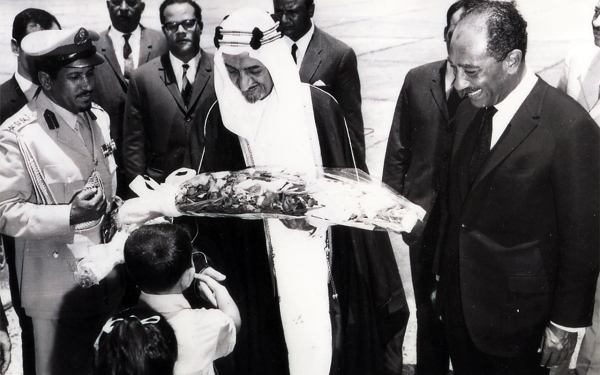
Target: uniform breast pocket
pixel 63 181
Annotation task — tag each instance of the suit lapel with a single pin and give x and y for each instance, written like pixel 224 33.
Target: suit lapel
pixel 590 82
pixel 165 71
pixel 312 57
pixel 203 74
pixel 108 51
pixel 464 142
pixel 145 47
pixel 522 124
pixel 437 90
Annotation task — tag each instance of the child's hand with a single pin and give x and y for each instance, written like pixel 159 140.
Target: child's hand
pixel 213 273
pixel 209 287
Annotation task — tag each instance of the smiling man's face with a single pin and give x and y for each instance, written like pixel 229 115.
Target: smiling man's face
pixel 483 79
pixel 183 43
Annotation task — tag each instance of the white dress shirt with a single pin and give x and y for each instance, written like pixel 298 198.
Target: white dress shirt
pixel 511 104
pixel 29 88
pixel 178 69
pixel 118 42
pixel 302 44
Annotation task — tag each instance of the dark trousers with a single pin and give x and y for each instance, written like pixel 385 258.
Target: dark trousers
pixel 28 346
pixel 467 359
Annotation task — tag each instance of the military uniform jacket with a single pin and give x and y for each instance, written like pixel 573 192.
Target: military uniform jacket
pixel 47 247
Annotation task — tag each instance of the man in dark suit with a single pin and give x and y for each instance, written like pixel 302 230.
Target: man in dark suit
pixel 18 90
pixel 164 95
pixel 520 260
pixel 14 95
pixel 416 164
pixel 126 45
pixel 324 62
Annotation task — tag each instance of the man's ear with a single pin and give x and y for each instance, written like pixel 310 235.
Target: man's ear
pixel 201 26
pixel 513 61
pixel 187 278
pixel 143 6
pixel 14 46
pixel 45 80
pixel 311 10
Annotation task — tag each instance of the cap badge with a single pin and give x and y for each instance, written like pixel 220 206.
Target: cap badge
pixel 81 37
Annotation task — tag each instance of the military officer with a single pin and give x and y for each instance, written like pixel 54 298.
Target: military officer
pixel 57 182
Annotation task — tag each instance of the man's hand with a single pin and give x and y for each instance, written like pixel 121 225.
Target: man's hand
pixel 557 346
pixel 4 351
pixel 87 205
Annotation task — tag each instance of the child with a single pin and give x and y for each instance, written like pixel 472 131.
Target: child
pixel 159 259
pixel 136 342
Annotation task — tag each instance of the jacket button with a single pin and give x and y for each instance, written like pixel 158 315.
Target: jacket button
pixel 446 156
pixel 188 119
pixel 449 129
pixel 463 225
pixel 55 254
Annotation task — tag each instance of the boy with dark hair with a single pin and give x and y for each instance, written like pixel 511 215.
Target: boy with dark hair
pixel 159 259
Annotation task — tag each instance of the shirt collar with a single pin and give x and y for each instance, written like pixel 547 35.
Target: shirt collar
pixel 449 79
pixel 178 68
pixel 165 303
pixel 69 117
pixel 26 86
pixel 511 104
pixel 302 43
pixel 117 35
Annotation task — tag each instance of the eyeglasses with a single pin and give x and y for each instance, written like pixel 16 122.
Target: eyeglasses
pixel 187 24
pixel 130 3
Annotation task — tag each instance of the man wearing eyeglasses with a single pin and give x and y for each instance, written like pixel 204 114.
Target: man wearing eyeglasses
pixel 125 46
pixel 164 96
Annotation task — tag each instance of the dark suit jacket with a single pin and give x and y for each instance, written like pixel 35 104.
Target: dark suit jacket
pixel 157 123
pixel 334 63
pixel 420 141
pixel 525 236
pixel 12 99
pixel 111 86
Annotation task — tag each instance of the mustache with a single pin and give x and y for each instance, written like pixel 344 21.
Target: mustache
pixel 85 93
pixel 470 90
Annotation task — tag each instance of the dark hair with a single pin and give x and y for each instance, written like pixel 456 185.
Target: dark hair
pixel 134 346
pixel 308 3
pixel 506 28
pixel 31 15
pixel 166 3
pixel 157 256
pixel 455 7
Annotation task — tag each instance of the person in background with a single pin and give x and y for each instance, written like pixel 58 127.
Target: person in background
pixel 416 166
pixel 164 96
pixel 57 183
pixel 325 62
pixel 136 341
pixel 581 80
pixel 519 264
pixel 125 46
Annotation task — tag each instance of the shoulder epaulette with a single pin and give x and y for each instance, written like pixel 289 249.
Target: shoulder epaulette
pixel 18 122
pixel 51 120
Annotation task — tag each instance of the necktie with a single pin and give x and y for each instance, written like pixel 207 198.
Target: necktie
pixel 484 141
pixel 452 103
pixel 85 132
pixel 186 91
pixel 294 50
pixel 127 59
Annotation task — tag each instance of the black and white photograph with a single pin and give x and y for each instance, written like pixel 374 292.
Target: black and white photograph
pixel 302 187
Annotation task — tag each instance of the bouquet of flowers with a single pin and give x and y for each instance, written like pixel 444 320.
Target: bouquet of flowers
pixel 346 197
pixel 250 193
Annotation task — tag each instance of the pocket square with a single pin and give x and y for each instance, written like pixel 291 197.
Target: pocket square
pixel 319 83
